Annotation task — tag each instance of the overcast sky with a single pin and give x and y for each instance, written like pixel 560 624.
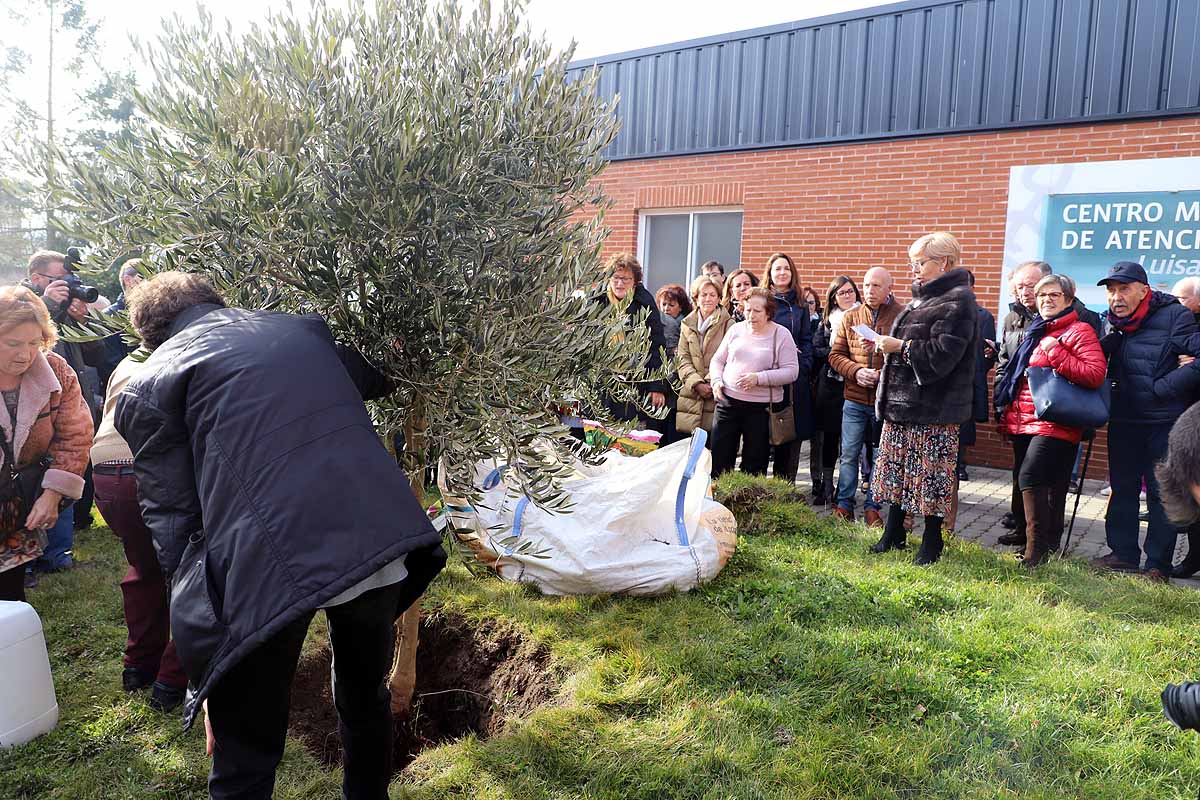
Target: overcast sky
pixel 599 28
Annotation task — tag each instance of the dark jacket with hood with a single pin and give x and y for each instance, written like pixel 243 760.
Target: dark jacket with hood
pixel 265 487
pixel 935 385
pixel 642 303
pixel 1148 385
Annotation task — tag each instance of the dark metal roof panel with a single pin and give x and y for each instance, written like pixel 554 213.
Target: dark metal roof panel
pixel 906 69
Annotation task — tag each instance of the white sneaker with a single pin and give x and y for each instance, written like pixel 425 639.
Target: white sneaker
pixel 1106 491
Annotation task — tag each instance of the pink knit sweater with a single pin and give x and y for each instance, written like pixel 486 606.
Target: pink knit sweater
pixel 742 353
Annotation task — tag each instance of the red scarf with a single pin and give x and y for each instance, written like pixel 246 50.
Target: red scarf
pixel 1131 323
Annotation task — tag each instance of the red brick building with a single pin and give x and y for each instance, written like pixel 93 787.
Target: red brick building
pixel 840 200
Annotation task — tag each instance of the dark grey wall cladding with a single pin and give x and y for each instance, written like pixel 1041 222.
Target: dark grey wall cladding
pixel 906 69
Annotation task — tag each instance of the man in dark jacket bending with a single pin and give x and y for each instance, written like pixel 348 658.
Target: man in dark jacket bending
pixel 269 495
pixel 1150 390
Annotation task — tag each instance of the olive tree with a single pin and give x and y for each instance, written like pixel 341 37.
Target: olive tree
pixel 421 177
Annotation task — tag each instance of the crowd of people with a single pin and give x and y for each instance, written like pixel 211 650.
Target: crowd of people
pixel 889 395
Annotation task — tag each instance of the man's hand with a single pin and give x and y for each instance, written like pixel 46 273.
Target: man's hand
pixel 658 399
pixel 1185 360
pixel 866 377
pixel 704 390
pixel 747 382
pixel 44 512
pixel 78 310
pixel 58 291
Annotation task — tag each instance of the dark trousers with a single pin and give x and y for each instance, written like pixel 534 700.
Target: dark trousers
pixel 248 708
pixel 83 506
pixel 149 648
pixel 738 421
pixel 1044 462
pixel 12 584
pixel 1133 452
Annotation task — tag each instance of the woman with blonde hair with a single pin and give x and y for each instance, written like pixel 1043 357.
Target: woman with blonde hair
pixel 926 390
pixel 701 333
pixel 46 432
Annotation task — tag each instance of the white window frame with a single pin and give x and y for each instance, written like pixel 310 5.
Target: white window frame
pixel 692 212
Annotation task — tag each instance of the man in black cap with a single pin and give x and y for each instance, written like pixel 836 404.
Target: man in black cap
pixel 1150 390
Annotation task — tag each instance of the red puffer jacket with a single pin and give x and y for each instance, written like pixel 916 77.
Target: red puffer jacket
pixel 1078 358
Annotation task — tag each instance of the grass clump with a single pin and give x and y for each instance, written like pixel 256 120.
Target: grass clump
pixel 807 669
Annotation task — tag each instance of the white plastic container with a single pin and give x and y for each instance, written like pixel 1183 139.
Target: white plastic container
pixel 28 707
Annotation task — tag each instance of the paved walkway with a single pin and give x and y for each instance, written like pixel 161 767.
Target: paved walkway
pixel 986 497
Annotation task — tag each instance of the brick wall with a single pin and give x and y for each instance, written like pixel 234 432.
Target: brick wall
pixel 842 208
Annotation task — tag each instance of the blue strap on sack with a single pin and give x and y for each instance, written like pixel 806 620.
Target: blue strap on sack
pixel 518 521
pixel 699 437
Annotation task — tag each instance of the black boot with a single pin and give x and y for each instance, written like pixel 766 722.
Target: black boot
pixel 931 542
pixel 894 537
pixel 1191 562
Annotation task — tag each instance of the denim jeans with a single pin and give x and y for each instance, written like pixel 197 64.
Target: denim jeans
pixel 60 540
pixel 1135 449
pixel 856 427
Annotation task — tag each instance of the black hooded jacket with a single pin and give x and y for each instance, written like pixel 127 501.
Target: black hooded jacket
pixel 262 480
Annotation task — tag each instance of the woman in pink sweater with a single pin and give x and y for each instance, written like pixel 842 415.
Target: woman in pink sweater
pixel 754 363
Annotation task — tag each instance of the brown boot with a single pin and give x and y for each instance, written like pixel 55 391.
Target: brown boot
pixel 1039 520
pixel 1058 502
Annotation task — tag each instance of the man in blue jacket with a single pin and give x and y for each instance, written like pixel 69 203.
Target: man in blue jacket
pixel 1150 390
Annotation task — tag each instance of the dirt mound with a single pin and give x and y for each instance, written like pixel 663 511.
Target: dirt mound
pixel 470 679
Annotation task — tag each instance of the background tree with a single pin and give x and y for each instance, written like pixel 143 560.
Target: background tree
pixel 420 178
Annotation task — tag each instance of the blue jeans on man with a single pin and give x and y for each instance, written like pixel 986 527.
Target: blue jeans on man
pixel 857 420
pixel 1138 449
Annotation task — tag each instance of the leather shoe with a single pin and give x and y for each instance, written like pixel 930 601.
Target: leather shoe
pixel 1114 563
pixel 1012 540
pixel 134 680
pixel 165 698
pixel 1156 576
pixel 843 514
pixel 872 518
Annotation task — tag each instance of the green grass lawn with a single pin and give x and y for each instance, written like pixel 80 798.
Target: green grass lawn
pixel 808 669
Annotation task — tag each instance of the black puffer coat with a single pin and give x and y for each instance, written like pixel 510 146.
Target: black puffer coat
pixel 1148 385
pixel 936 385
pixel 263 482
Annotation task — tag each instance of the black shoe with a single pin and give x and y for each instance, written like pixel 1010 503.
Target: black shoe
pixel 1013 539
pixel 165 698
pixel 83 523
pixel 31 579
pixel 134 680
pixel 932 543
pixel 962 474
pixel 1008 521
pixel 1188 567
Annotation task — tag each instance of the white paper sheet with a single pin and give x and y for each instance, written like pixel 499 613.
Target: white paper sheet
pixel 865 332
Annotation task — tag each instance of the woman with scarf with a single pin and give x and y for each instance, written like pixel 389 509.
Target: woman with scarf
pixel 926 390
pixel 791 312
pixel 1045 451
pixel 701 334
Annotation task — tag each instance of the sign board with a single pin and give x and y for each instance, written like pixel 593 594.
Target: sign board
pixel 1083 218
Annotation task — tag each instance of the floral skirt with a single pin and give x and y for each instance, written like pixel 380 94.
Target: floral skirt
pixel 17 545
pixel 915 468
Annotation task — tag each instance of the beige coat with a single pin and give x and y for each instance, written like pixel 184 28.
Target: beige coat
pixel 695 353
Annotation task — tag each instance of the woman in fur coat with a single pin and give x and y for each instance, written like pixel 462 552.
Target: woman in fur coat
pixel 925 393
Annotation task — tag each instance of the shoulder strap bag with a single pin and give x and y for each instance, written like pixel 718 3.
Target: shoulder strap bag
pixel 1056 399
pixel 782 421
pixel 23 484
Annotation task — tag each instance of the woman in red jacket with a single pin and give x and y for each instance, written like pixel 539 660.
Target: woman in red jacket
pixel 1045 451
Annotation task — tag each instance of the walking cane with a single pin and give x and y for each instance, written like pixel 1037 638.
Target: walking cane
pixel 1087 457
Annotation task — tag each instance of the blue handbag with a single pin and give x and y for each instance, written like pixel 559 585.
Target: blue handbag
pixel 1056 399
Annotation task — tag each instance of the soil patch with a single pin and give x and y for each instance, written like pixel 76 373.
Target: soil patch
pixel 471 678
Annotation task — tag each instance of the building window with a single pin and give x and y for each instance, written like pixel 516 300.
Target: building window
pixel 672 245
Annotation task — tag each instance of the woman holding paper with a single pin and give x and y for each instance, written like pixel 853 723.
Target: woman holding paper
pixel 925 393
pixel 755 360
pixel 1045 451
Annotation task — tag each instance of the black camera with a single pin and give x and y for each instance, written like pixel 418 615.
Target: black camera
pixel 1181 705
pixel 78 289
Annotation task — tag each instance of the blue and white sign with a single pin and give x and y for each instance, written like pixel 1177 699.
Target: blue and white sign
pixel 1082 218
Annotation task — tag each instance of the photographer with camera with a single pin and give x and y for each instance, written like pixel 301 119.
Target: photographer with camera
pixel 52 277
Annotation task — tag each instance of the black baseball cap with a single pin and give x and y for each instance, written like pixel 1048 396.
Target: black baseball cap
pixel 1124 272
